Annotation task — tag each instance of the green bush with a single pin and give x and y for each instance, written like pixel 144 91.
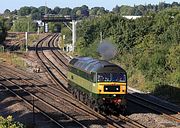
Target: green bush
pixel 9 123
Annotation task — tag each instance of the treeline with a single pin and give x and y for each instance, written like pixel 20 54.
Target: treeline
pixel 85 11
pixel 140 10
pixel 37 13
pixel 148 46
pixel 22 19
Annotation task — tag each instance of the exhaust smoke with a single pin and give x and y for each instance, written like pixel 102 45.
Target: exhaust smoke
pixel 107 50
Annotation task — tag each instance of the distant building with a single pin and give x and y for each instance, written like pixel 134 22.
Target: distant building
pixel 132 17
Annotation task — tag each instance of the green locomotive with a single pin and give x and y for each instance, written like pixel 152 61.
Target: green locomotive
pixel 98 83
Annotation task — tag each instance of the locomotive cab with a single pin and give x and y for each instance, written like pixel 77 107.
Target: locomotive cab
pixel 112 88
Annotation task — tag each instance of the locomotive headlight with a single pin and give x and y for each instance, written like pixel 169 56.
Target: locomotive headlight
pixel 114 95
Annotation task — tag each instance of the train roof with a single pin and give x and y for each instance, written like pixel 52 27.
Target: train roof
pixel 89 64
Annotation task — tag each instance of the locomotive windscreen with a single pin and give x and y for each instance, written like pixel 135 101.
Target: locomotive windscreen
pixel 111 77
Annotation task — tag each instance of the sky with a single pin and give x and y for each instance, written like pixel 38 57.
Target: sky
pixel 107 4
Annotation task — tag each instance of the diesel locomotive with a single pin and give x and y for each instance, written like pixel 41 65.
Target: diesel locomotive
pixel 98 83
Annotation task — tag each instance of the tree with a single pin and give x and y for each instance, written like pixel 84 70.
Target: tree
pixel 126 10
pixel 74 11
pixel 24 11
pixel 93 11
pixel 14 12
pixel 9 123
pixel 84 10
pixel 175 4
pixel 36 16
pixel 65 11
pixel 24 24
pixel 42 9
pixel 163 5
pixel 173 62
pixel 116 9
pixel 3 30
pixel 56 10
pixel 141 9
pixel 78 13
pixel 101 11
pixel 65 31
pixel 45 10
pixel 7 12
pixel 8 24
pixel 97 11
pixel 35 13
pixel 34 10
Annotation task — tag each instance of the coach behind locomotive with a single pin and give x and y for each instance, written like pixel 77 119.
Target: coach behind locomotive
pixel 98 83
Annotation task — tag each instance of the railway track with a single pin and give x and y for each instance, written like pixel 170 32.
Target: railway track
pixel 49 91
pixel 55 74
pixel 127 122
pixel 57 54
pixel 56 67
pixel 27 91
pixel 20 93
pixel 167 112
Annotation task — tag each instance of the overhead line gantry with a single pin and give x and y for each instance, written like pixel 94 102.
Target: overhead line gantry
pixel 54 18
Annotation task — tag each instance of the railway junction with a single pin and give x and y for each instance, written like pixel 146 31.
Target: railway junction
pixel 39 97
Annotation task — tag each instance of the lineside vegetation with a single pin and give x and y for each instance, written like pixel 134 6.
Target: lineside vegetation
pixel 9 123
pixel 149 48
